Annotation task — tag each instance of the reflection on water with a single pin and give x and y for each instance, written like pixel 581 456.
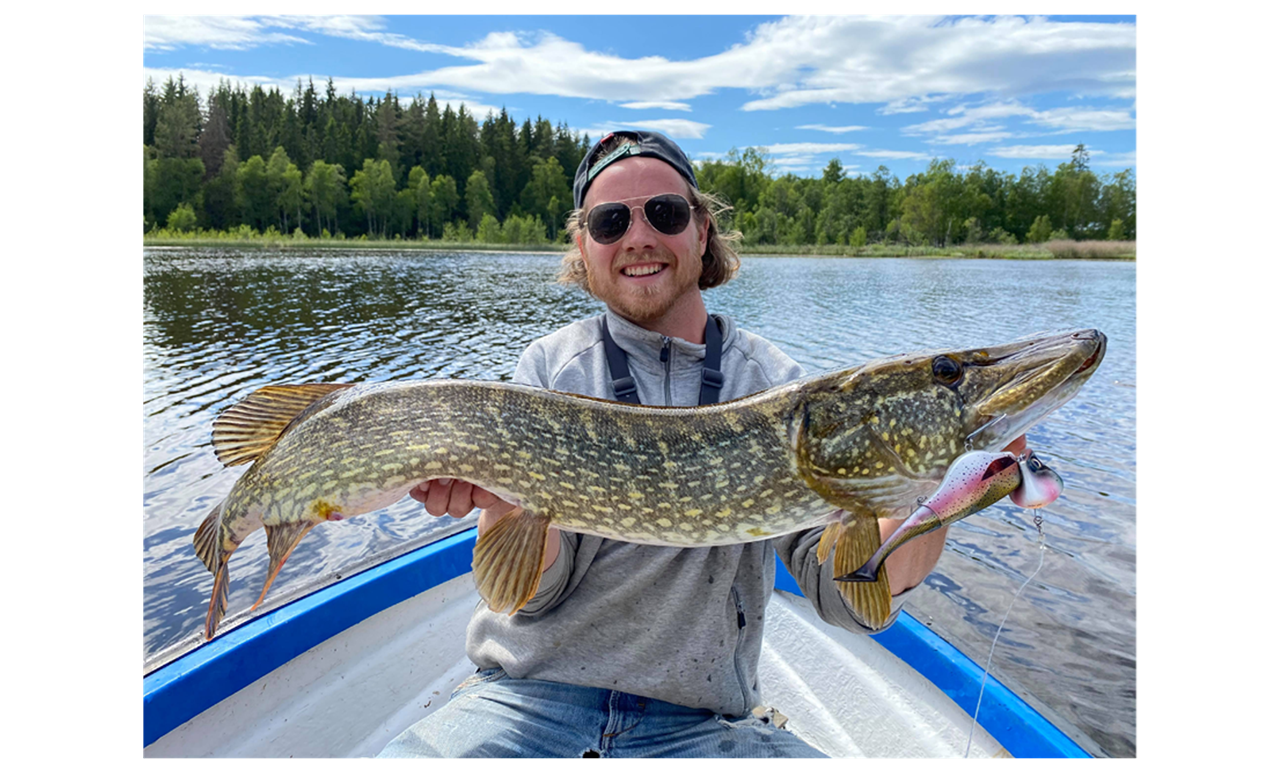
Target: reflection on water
pixel 219 324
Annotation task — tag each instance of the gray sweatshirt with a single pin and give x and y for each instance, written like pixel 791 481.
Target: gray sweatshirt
pixel 683 625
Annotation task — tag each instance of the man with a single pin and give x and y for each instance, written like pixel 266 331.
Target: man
pixel 626 649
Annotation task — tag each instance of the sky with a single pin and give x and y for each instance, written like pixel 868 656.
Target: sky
pixel 1010 91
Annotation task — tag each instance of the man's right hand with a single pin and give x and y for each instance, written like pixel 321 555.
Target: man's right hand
pixel 457 498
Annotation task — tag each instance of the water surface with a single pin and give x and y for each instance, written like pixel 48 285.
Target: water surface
pixel 220 323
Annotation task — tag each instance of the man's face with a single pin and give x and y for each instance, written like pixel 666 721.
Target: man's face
pixel 645 273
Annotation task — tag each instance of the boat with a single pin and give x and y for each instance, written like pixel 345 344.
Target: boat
pixel 343 669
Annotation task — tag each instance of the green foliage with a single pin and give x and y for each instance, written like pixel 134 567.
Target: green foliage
pixel 181 219
pixel 479 198
pixel 257 158
pixel 1040 231
pixel 1000 236
pixel 489 231
pixel 457 231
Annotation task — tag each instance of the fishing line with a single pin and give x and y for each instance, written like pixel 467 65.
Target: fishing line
pixel 1039 521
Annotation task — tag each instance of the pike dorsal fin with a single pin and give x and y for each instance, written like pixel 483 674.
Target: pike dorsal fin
pixel 249 428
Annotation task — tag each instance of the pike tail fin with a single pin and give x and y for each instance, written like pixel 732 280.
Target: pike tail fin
pixel 853 543
pixel 281 540
pixel 508 560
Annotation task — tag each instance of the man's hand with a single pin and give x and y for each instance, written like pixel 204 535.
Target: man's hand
pixel 450 496
pixel 910 564
pixel 457 498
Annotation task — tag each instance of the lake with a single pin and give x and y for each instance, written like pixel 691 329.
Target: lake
pixel 219 323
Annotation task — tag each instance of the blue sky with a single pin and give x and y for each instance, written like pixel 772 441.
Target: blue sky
pixel 1010 91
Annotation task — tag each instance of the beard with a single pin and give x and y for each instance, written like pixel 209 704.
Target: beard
pixel 646 303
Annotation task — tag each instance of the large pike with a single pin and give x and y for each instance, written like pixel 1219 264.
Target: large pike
pixel 842 448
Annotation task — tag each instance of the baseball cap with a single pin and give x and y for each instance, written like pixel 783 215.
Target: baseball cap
pixel 651 144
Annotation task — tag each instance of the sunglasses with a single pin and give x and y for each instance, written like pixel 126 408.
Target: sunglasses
pixel 667 213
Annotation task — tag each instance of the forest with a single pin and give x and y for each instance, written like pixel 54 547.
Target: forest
pixel 244 161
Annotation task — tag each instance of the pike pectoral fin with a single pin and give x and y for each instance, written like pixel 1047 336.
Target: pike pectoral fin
pixel 281 540
pixel 508 560
pixel 218 599
pixel 922 521
pixel 206 538
pixel 855 542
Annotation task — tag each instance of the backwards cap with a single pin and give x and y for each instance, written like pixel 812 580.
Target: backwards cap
pixel 651 144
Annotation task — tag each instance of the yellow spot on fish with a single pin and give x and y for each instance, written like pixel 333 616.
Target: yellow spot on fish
pixel 536 476
pixel 693 513
pixel 840 471
pixel 773 509
pixel 634 494
pixel 748 503
pixel 725 513
pixel 686 526
pixel 756 531
pixel 569 486
pixel 664 523
pixel 884 435
pixel 626 522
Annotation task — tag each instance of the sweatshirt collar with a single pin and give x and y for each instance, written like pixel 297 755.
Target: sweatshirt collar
pixel 644 347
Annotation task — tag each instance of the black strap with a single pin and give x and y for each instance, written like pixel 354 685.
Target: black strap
pixel 712 378
pixel 624 386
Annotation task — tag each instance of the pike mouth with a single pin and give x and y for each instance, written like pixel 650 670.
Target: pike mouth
pixel 1093 358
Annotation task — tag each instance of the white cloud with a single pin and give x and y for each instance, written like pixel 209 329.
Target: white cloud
pixel 675 128
pixel 1062 152
pixel 832 129
pixel 972 138
pixel 903 63
pixel 792 148
pixel 1084 119
pixel 1129 159
pixel 206 81
pixel 899 154
pixel 910 105
pixel 1063 119
pixel 165 33
pixel 656 106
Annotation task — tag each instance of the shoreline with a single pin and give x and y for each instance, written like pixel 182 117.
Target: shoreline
pixel 1054 250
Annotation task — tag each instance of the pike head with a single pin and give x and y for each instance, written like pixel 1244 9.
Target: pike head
pixel 874 438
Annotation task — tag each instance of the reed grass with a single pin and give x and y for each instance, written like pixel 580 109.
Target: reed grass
pixel 248 237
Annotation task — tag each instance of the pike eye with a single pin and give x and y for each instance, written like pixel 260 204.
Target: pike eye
pixel 946 370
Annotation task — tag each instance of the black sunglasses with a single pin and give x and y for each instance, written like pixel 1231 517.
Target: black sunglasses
pixel 668 213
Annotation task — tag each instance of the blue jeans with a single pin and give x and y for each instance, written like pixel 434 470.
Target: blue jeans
pixel 493 715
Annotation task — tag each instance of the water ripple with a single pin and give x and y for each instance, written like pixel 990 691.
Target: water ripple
pixel 219 324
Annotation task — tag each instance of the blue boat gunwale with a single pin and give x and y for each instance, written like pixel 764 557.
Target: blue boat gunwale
pixel 180 690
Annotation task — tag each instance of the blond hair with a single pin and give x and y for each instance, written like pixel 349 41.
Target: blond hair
pixel 720 261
